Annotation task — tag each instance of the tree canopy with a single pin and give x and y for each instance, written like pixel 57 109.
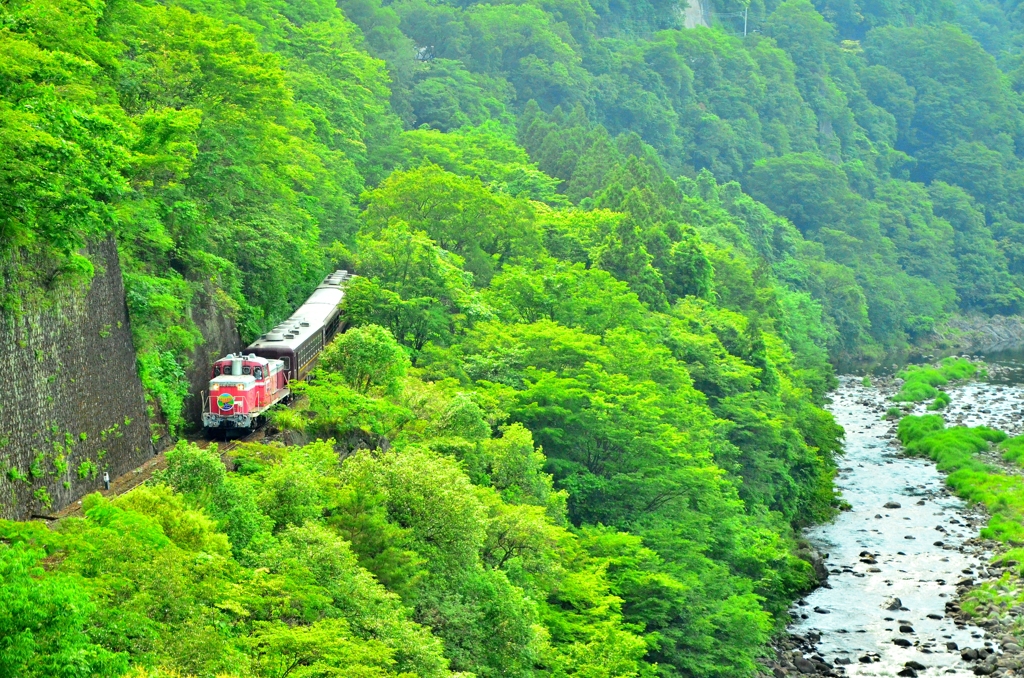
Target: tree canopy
pixel 605 266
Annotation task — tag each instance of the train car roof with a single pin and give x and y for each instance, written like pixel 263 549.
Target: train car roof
pixel 308 318
pixel 246 357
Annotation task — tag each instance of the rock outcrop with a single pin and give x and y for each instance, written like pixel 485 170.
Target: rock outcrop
pixel 982 334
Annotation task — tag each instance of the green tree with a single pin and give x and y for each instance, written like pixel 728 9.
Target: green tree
pixel 410 286
pixel 460 214
pixel 43 621
pixel 367 357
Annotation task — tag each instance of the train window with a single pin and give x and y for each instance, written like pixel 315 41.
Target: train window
pixel 258 372
pixel 246 369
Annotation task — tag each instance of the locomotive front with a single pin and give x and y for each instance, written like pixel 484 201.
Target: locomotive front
pixel 242 389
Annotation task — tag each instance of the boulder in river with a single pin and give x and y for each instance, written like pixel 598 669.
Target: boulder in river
pixel 803 665
pixel 907 673
pixel 892 505
pixel 902 642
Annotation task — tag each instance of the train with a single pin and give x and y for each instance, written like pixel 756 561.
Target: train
pixel 244 386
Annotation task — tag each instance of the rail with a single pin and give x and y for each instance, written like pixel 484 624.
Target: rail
pixel 126 482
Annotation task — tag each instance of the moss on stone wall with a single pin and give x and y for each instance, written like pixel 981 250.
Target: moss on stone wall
pixel 73 406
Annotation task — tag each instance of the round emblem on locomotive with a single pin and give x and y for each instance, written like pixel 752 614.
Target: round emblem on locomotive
pixel 226 402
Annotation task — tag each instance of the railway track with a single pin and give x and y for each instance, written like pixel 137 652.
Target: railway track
pixel 129 481
pixel 225 445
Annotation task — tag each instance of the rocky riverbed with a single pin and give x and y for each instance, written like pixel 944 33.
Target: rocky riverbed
pixel 905 553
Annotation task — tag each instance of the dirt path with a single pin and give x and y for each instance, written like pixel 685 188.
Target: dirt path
pixel 119 485
pixel 129 481
pixel 693 15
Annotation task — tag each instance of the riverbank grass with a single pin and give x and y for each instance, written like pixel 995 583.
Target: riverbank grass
pixel 941 401
pixel 919 382
pixel 1012 449
pixel 954 451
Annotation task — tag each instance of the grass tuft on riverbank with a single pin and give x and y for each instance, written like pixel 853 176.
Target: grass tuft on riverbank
pixel 1012 449
pixel 954 450
pixel 919 382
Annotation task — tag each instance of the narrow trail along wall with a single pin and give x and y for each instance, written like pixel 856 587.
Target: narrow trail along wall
pixel 72 405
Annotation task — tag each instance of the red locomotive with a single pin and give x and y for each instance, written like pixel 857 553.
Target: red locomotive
pixel 244 386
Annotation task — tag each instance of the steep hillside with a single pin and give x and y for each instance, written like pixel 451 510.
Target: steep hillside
pixel 604 261
pixel 897 151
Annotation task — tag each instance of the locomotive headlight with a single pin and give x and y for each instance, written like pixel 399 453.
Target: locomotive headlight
pixel 214 387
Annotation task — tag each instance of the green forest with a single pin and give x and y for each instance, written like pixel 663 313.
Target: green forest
pixel 606 264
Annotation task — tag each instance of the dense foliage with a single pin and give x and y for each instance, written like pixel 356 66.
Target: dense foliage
pixel 604 262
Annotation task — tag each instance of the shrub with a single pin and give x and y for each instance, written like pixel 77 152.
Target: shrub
pixel 87 469
pixel 164 378
pixel 43 496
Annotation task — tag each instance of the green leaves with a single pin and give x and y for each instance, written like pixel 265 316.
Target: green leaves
pixel 458 213
pixel 63 156
pixel 43 621
pixel 324 648
pixel 410 286
pixel 367 357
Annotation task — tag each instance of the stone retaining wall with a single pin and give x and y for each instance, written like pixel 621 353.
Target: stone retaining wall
pixel 72 405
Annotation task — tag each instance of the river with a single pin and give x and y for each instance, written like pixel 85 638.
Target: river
pixel 896 556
